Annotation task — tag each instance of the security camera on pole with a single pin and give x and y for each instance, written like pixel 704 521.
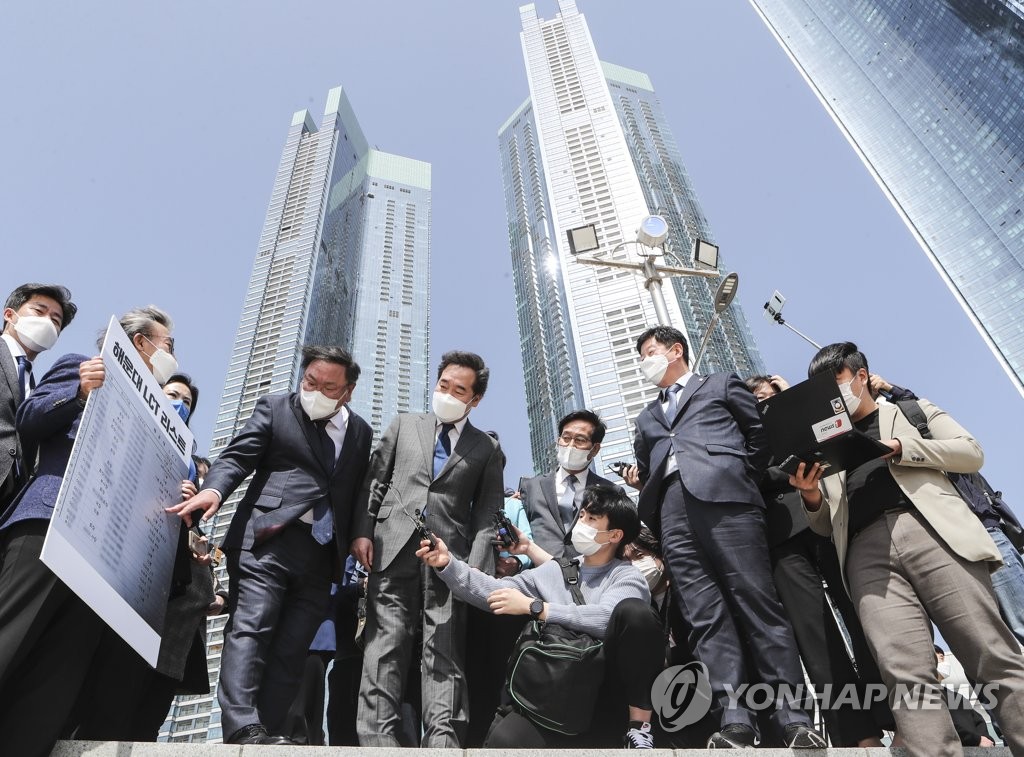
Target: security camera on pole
pixel 650 243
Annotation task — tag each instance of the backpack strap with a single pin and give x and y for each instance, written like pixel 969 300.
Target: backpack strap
pixel 571 574
pixel 912 412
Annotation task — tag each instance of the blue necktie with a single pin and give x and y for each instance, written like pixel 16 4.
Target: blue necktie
pixel 24 370
pixel 323 522
pixel 443 448
pixel 673 401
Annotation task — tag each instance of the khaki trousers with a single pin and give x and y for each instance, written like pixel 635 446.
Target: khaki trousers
pixel 901 574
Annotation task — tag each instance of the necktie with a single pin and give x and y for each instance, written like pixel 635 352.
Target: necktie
pixel 443 448
pixel 567 505
pixel 673 401
pixel 25 371
pixel 323 522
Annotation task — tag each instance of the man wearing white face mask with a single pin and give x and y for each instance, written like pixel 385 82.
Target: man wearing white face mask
pixel 287 537
pixel 48 636
pixel 440 465
pixel 700 450
pixel 34 316
pixel 551 501
pixel 911 549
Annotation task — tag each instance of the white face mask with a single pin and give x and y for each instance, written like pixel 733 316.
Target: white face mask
pixel 447 408
pixel 648 565
pixel 36 332
pixel 654 368
pixel 164 365
pixel 572 459
pixel 317 405
pixel 945 670
pixel 852 400
pixel 583 538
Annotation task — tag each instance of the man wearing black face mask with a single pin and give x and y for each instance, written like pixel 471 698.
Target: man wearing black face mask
pixel 309 453
pixel 551 501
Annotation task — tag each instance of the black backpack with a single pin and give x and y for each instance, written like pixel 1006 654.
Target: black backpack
pixel 973 488
pixel 555 673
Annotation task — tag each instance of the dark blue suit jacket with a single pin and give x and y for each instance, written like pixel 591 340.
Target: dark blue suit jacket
pixel 278 445
pixel 717 437
pixel 48 419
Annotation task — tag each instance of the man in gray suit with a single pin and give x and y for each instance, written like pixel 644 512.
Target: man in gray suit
pixel 34 316
pixel 286 540
pixel 701 450
pixel 439 466
pixel 551 501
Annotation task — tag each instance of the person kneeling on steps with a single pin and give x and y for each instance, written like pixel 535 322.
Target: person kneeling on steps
pixel 615 608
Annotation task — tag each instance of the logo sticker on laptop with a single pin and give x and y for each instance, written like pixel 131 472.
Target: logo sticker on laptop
pixel 832 427
pixel 838 406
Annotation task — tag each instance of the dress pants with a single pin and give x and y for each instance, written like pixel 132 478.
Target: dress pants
pixel 48 637
pixel 901 573
pixel 717 558
pixel 798 565
pixel 403 597
pixel 279 594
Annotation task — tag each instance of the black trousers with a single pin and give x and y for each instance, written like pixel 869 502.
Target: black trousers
pixel 798 565
pixel 48 638
pixel 634 649
pixel 717 558
pixel 280 593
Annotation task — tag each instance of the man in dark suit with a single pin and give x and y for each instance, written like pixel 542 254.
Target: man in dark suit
pixel 700 449
pixel 309 454
pixel 34 316
pixel 440 465
pixel 47 634
pixel 551 501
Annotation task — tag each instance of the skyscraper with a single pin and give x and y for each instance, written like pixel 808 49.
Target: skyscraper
pixel 931 96
pixel 344 260
pixel 591 145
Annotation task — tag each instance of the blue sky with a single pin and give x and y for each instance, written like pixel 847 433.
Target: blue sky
pixel 140 142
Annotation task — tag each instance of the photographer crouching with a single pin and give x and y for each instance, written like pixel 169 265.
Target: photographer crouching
pixel 598 607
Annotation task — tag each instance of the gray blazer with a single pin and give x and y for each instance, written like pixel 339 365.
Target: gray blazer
pixel 541 506
pixel 459 504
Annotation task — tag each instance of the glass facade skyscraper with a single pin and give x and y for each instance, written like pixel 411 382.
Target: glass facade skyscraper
pixel 591 145
pixel 931 96
pixel 343 259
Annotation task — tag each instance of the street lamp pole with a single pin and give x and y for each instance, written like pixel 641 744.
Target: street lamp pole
pixel 651 235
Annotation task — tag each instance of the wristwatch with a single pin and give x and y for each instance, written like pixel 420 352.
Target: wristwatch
pixel 536 608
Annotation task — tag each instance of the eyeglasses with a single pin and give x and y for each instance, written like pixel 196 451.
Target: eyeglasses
pixel 167 340
pixel 573 440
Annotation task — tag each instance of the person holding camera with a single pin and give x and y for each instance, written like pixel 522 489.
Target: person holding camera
pixel 617 610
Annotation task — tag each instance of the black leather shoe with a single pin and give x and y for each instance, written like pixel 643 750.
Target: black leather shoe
pixel 799 736
pixel 254 733
pixel 733 736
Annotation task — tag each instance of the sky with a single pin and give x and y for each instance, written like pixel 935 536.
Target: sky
pixel 140 143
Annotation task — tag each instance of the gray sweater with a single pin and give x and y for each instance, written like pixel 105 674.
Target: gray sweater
pixel 603 588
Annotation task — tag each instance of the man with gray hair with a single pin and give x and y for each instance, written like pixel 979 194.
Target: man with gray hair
pixel 48 636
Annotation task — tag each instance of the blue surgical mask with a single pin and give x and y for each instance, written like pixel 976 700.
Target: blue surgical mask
pixel 182 409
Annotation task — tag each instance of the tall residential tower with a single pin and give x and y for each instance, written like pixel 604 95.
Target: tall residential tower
pixel 343 260
pixel 931 96
pixel 591 145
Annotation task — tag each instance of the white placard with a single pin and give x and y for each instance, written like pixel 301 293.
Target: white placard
pixel 109 538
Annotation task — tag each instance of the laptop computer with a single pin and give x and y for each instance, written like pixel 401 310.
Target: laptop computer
pixel 811 422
